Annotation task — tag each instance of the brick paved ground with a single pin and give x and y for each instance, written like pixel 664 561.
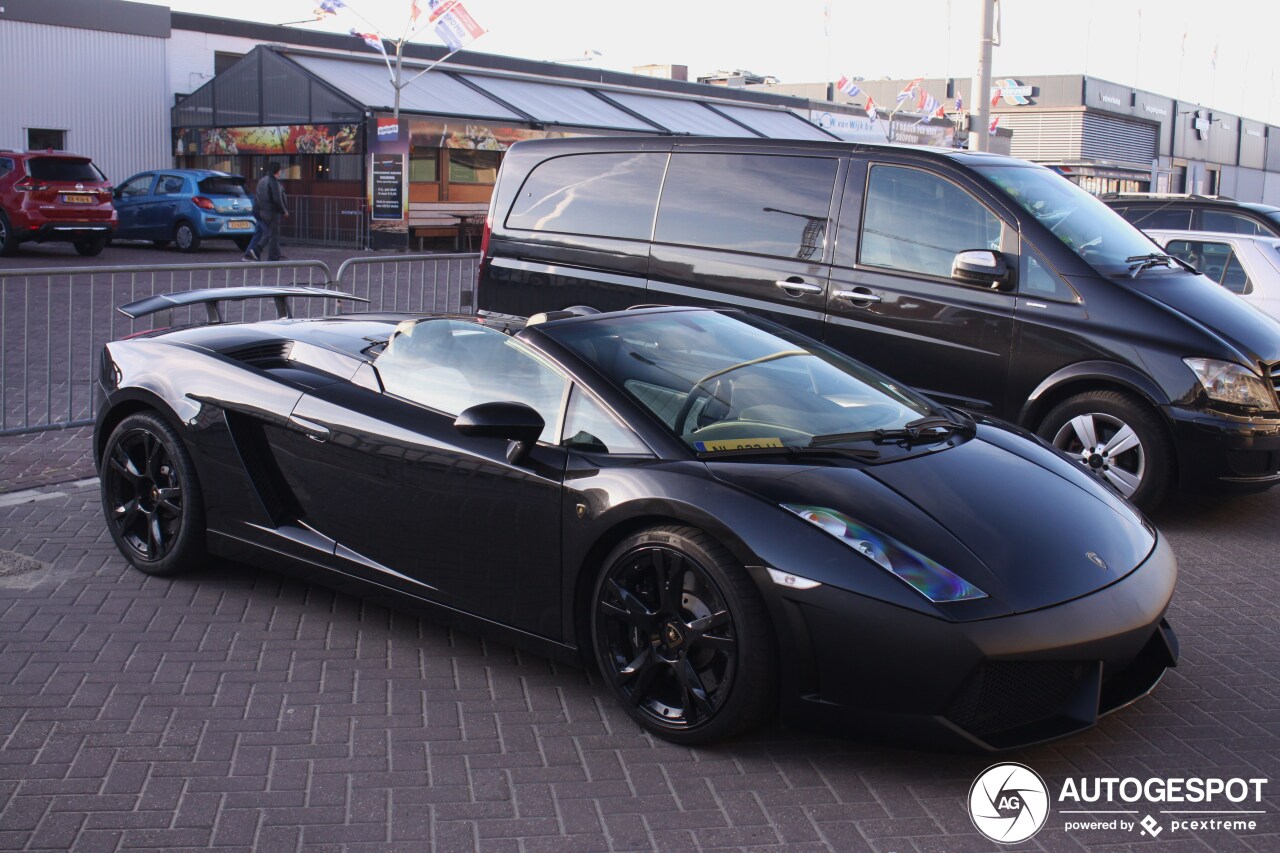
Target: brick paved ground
pixel 236 709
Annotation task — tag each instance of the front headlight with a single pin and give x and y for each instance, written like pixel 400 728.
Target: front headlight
pixel 1231 383
pixel 934 582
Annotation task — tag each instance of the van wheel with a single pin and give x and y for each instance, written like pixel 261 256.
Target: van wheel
pixel 1119 438
pixel 185 236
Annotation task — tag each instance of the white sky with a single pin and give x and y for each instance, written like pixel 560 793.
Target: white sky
pixel 1165 46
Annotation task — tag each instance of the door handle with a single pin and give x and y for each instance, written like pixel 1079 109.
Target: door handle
pixel 858 294
pixel 798 287
pixel 311 429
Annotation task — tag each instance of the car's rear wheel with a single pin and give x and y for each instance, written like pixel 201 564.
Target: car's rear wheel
pixel 186 238
pixel 1119 438
pixel 242 243
pixel 91 246
pixel 151 497
pixel 8 240
pixel 682 637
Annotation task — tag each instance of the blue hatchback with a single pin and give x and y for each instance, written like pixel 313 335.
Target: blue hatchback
pixel 184 207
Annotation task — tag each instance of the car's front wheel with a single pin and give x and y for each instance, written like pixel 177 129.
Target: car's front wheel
pixel 682 637
pixel 185 237
pixel 8 239
pixel 151 497
pixel 1119 438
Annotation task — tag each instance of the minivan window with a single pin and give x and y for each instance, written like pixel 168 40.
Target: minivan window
pixel 1040 281
pixel 917 222
pixel 1170 218
pixel 1228 223
pixel 1081 221
pixel 601 195
pixel 758 203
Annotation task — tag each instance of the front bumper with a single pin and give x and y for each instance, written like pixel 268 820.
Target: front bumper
pixel 868 667
pixel 1221 453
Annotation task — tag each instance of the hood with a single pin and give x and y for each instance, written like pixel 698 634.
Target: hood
pixel 1005 513
pixel 1252 334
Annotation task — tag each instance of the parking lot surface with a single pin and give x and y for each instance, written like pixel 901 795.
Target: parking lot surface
pixel 236 709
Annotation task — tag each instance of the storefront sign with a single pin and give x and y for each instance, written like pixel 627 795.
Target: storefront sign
pixel 1014 93
pixel 477 137
pixel 388 186
pixel 271 139
pixel 851 128
pixel 1154 110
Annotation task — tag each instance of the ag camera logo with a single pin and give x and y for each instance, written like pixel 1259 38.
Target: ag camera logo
pixel 1008 803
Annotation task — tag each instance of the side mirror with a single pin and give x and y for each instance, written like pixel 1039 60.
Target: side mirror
pixel 981 267
pixel 518 423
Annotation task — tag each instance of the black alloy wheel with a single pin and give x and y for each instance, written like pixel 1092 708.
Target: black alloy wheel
pixel 151 498
pixel 682 637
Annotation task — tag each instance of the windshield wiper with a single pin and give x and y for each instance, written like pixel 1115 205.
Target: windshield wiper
pixel 791 450
pixel 1140 263
pixel 926 429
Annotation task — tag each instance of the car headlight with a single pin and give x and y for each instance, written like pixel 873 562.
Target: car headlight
pixel 1231 383
pixel 934 582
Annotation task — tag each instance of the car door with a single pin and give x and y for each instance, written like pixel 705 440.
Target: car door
pixel 162 206
pixel 130 199
pixel 892 301
pixel 413 504
pixel 748 229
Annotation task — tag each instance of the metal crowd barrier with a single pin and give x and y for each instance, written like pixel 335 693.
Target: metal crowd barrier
pixel 327 220
pixel 54 321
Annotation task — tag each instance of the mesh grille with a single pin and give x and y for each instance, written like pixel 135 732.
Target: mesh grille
pixel 1008 694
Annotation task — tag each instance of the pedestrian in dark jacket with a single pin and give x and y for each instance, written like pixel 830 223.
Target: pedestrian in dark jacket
pixel 271 207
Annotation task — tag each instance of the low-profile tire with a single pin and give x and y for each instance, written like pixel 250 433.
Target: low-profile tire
pixel 1120 438
pixel 151 497
pixel 185 237
pixel 91 247
pixel 8 239
pixel 242 243
pixel 160 244
pixel 682 637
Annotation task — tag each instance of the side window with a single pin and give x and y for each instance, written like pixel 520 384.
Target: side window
pixel 917 222
pixel 6 166
pixel 450 366
pixel 170 185
pixel 1234 278
pixel 758 203
pixel 140 185
pixel 1187 250
pixel 1038 279
pixel 1216 260
pixel 1173 218
pixel 1228 223
pixel 602 195
pixel 587 426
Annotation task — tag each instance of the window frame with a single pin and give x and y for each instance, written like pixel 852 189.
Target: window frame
pixel 1009 230
pixel 146 193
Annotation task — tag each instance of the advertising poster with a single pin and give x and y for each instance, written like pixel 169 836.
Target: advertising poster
pixel 276 139
pixel 388 194
pixel 388 186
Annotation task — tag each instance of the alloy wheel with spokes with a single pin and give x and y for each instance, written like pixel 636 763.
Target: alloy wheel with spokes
pixel 1118 438
pixel 152 505
pixel 669 643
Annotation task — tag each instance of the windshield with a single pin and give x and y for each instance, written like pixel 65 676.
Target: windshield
pixel 732 382
pixel 1088 227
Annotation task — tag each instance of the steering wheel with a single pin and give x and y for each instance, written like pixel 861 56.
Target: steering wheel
pixel 697 392
pixel 699 388
pixel 748 429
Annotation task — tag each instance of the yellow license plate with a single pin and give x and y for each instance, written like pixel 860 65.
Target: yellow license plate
pixel 78 199
pixel 239 225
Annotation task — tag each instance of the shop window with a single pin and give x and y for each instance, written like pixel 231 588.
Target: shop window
pixel 39 139
pixel 473 167
pixel 424 164
pixel 336 167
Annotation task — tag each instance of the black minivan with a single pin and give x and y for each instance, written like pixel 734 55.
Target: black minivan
pixel 988 283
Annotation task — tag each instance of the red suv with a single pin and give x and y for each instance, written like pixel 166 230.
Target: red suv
pixel 54 195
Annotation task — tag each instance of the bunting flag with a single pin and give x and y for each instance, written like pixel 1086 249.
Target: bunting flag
pixel 414 11
pixel 850 88
pixel 940 112
pixel 928 104
pixel 374 41
pixel 455 27
pixel 991 128
pixel 959 104
pixel 909 90
pixel 327 8
pixel 437 9
pixel 872 113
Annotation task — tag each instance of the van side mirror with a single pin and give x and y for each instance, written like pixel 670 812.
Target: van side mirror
pixel 980 267
pixel 519 423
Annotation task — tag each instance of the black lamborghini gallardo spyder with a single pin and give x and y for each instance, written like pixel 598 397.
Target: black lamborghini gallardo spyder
pixel 728 519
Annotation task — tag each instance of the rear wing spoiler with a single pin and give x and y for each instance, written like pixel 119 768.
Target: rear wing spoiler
pixel 211 297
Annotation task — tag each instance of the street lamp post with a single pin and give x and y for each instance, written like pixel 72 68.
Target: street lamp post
pixel 980 111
